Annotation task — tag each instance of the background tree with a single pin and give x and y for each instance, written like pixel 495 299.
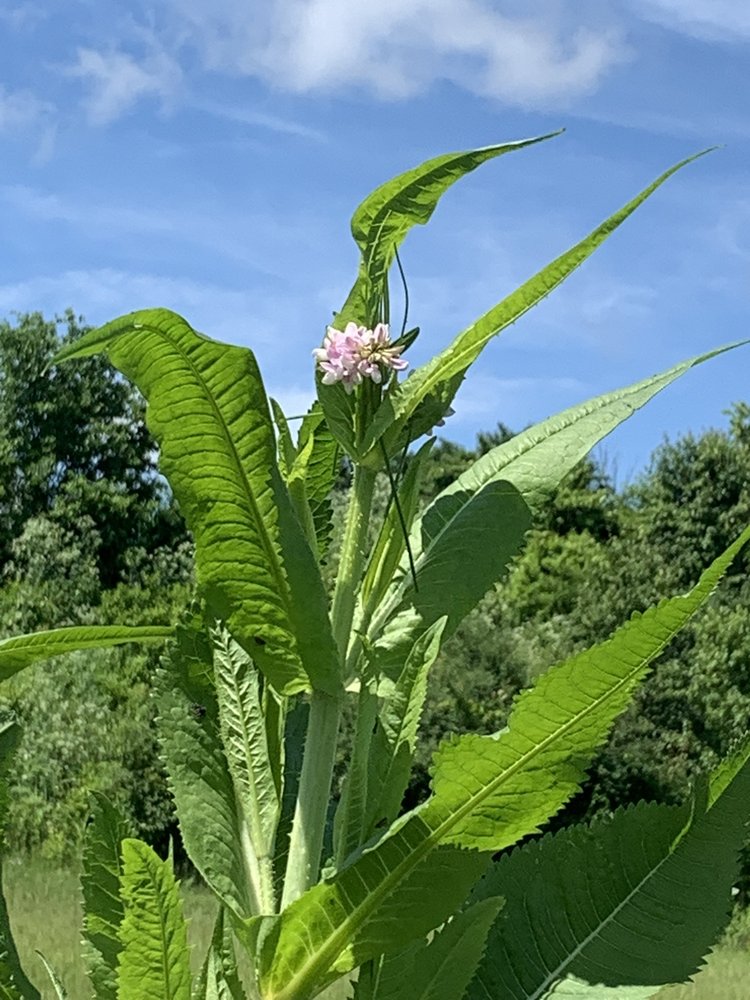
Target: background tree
pixel 73 444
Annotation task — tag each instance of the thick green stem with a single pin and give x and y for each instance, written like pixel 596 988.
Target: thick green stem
pixel 311 810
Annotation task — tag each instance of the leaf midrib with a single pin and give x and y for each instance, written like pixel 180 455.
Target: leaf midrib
pixel 268 546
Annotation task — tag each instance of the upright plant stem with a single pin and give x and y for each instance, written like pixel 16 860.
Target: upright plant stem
pixel 311 810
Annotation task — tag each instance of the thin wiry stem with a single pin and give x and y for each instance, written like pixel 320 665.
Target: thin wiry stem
pixel 406 293
pixel 400 514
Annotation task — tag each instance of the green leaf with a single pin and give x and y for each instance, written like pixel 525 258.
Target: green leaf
pixel 287 452
pixel 488 792
pixel 442 968
pixel 211 822
pixel 392 894
pixel 219 978
pixel 154 960
pixel 383 220
pixel 57 984
pixel 538 458
pixel 391 544
pixel 466 546
pixel 21 651
pixel 395 738
pixel 351 811
pixel 633 900
pixel 534 462
pixel 437 381
pixel 245 746
pixel 208 411
pixel 103 908
pixel 293 750
pixel 318 465
pixel 379 226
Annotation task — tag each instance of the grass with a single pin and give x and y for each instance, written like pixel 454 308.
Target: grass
pixel 44 903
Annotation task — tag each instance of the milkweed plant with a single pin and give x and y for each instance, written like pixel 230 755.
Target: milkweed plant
pixel 322 890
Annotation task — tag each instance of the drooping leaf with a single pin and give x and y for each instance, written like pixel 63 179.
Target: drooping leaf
pixel 212 826
pixel 442 968
pixel 154 961
pixel 379 226
pixel 435 383
pixel 103 908
pixel 54 978
pixel 633 900
pixel 245 747
pixel 208 411
pixel 21 651
pixel 488 793
pixel 383 220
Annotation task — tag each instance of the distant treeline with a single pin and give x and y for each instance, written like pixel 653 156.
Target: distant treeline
pixel 88 532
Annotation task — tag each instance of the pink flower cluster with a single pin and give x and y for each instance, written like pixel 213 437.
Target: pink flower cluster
pixel 356 353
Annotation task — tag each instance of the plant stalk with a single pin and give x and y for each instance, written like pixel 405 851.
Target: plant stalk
pixel 311 810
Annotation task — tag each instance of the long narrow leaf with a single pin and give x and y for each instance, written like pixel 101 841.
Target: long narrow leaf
pixel 534 461
pixel 208 410
pixel 488 793
pixel 21 651
pixel 383 220
pixel 439 379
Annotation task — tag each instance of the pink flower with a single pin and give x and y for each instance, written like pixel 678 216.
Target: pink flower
pixel 355 353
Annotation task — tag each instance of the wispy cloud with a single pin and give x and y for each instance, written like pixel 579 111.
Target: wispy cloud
pixel 20 109
pixel 117 81
pixel 727 20
pixel 217 230
pixel 22 16
pixel 395 49
pixel 258 119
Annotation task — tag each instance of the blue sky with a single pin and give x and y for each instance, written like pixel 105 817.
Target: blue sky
pixel 207 157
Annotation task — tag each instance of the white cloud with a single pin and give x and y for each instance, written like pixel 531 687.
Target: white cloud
pixel 20 109
pixel 118 80
pixel 728 20
pixel 397 49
